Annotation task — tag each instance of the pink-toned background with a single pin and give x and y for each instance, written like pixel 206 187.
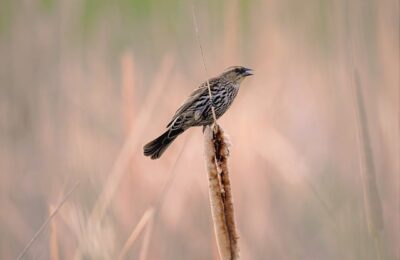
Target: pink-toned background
pixel 85 84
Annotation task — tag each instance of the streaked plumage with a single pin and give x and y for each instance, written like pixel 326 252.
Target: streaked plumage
pixel 196 111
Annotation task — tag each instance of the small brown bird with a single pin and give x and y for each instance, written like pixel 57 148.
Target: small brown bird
pixel 196 111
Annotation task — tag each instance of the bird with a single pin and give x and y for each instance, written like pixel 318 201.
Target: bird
pixel 197 111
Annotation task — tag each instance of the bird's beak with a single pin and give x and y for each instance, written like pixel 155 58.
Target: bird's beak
pixel 248 72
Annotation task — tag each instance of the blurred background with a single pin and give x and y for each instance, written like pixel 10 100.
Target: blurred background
pixel 84 84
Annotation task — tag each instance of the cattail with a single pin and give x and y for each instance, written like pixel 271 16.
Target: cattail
pixel 216 157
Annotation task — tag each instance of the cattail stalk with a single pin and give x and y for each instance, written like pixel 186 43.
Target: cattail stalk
pixel 216 157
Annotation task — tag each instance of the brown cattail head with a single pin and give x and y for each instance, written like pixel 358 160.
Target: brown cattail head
pixel 216 156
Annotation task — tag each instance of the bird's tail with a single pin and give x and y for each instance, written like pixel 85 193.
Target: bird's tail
pixel 157 147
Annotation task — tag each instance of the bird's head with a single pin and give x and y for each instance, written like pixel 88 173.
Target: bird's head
pixel 237 73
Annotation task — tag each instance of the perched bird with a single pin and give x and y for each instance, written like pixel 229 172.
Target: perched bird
pixel 196 111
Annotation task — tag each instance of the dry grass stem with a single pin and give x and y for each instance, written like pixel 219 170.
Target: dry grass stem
pixel 136 232
pixel 146 239
pixel 372 200
pixel 46 223
pixel 196 27
pixel 216 157
pixel 53 243
pixel 374 207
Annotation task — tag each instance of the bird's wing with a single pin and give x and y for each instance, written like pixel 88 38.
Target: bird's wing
pixel 201 90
